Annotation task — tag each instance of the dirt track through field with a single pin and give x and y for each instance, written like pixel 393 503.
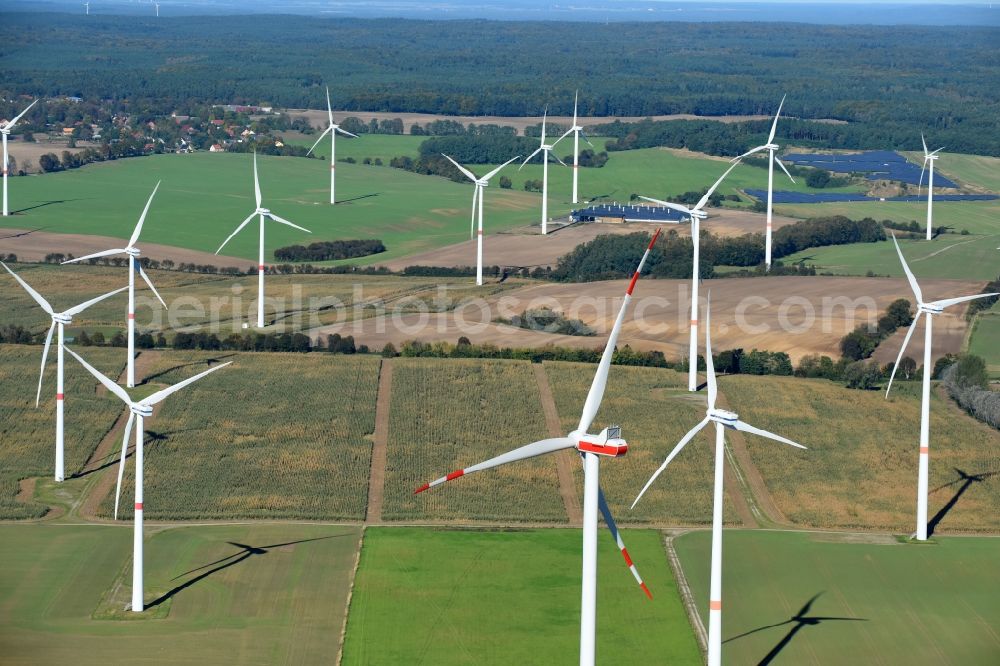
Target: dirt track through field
pixel 760 499
pixel 564 459
pixel 104 455
pixel 380 444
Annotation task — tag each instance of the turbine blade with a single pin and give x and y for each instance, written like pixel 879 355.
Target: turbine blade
pixel 528 159
pixel 596 393
pixel 146 279
pixel 160 395
pixel 281 220
pixel 472 222
pixel 256 180
pixel 677 207
pixel 774 125
pixel 11 123
pixel 108 384
pixel 121 461
pixel 713 390
pixel 948 302
pixel 329 109
pixel 586 139
pixel 677 449
pixel 923 141
pixel 83 306
pixel 746 427
pixel 749 152
pixel 909 275
pixel 45 356
pixel 545 115
pixel 468 174
pixel 555 157
pixel 538 448
pixel 345 132
pixel 906 341
pixel 142 218
pixel 782 165
pixel 935 152
pixel 920 183
pixel 44 304
pixel 602 504
pixel 712 189
pixel 103 253
pixel 325 132
pixel 238 229
pixel 497 170
pixel 564 135
pixel 576 102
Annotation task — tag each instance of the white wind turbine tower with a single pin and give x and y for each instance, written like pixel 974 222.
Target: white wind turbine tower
pixel 546 151
pixel 59 321
pixel 723 419
pixel 86 7
pixel 332 129
pixel 5 129
pixel 134 266
pixel 929 159
pixel 477 193
pixel 607 443
pixel 577 132
pixel 931 310
pixel 262 213
pixel 771 147
pixel 696 214
pixel 140 410
pixel 157 5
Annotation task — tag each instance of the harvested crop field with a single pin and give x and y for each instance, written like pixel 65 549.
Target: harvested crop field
pixel 797 315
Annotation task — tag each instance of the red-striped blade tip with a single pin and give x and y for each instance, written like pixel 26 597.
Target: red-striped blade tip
pixel 646 590
pixel 653 240
pixel 421 489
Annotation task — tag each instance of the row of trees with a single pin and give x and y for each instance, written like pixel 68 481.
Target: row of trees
pixel 330 250
pixel 862 341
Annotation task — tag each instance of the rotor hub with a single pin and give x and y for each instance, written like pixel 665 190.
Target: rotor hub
pixel 263 211
pixel 63 319
pixel 700 214
pixel 133 252
pixel 927 308
pixel 772 146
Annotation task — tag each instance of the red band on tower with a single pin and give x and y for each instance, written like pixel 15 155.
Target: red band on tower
pixel 59 396
pixel 715 605
pixel 131 315
pixel 138 506
pixel 924 450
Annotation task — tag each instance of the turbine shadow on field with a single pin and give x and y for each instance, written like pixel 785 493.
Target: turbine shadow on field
pixel 112 458
pixel 208 362
pixel 358 198
pixel 41 205
pixel 23 233
pixel 966 480
pixel 798 621
pixel 244 553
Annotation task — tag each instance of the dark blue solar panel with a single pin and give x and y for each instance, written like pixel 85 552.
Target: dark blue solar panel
pixel 876 164
pixel 629 212
pixel 821 197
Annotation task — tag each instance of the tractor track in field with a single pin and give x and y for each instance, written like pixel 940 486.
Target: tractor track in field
pixel 88 504
pixel 380 444
pixel 564 459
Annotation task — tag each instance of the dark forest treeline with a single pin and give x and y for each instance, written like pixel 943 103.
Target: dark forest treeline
pixel 838 72
pixel 615 256
pixel 329 250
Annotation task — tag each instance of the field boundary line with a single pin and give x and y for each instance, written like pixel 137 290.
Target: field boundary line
pixel 350 595
pixel 380 444
pixel 682 586
pixel 564 459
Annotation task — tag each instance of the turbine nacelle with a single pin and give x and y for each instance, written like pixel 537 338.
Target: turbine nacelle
pixel 771 146
pixel 724 417
pixel 607 443
pixel 482 183
pixel 262 211
pixel 139 409
pixel 700 214
pixel 62 318
pixel 133 252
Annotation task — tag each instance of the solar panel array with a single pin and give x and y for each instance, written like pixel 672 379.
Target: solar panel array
pixel 628 212
pixel 824 197
pixel 875 164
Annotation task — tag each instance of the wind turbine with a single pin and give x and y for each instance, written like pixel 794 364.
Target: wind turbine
pixel 157 5
pixel 607 443
pixel 929 159
pixel 332 130
pixel 931 310
pixel 477 193
pixel 723 419
pixel 577 132
pixel 5 129
pixel 771 147
pixel 262 213
pixel 86 6
pixel 59 321
pixel 140 410
pixel 134 266
pixel 696 214
pixel 546 151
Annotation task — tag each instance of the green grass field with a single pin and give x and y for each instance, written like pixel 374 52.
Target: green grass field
pixel 230 447
pixel 509 597
pixel 985 340
pixel 28 434
pixel 281 601
pixel 977 171
pixel 895 604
